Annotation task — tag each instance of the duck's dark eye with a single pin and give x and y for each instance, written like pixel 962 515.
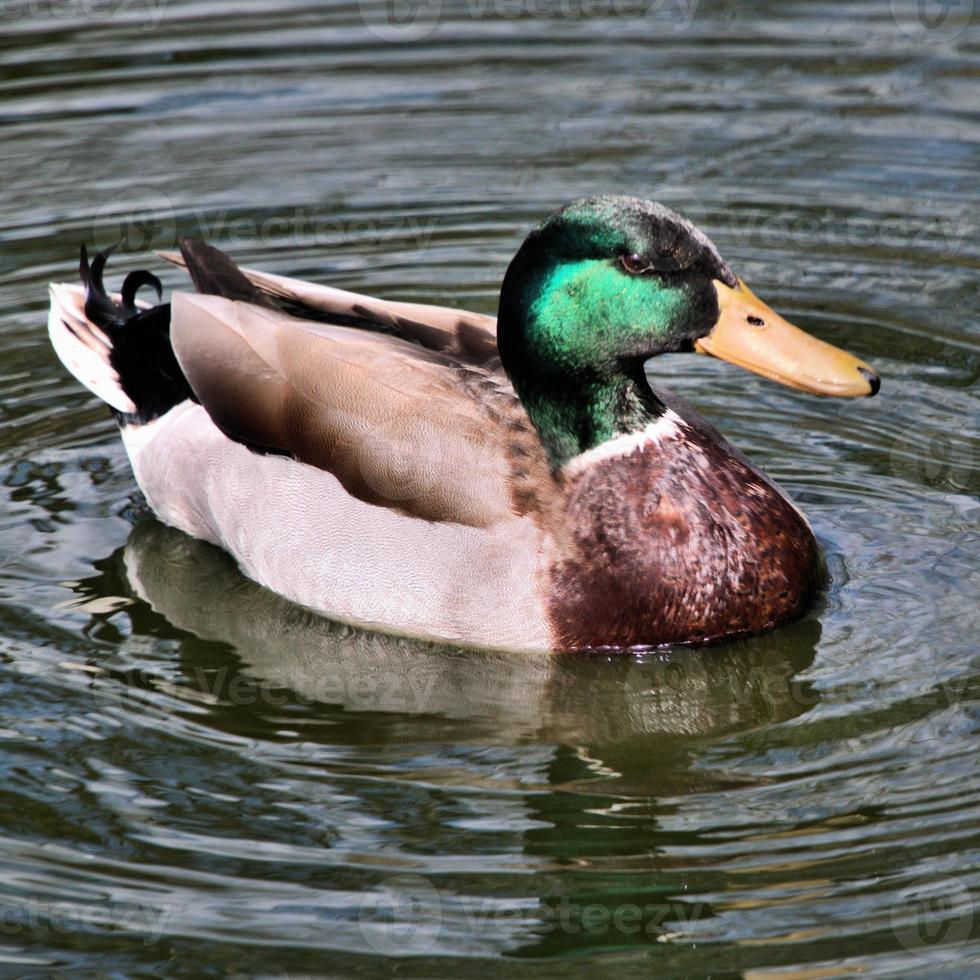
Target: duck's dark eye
pixel 634 263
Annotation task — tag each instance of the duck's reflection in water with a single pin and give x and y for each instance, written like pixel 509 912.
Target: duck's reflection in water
pixel 624 721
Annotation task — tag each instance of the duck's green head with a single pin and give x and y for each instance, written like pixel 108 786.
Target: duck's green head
pixel 605 283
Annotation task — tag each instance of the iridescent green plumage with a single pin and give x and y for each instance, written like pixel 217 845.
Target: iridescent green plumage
pixel 576 324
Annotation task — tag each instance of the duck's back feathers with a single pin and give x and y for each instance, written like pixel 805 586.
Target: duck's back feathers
pixel 466 336
pixel 400 426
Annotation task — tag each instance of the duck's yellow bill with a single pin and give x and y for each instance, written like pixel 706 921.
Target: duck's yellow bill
pixel 752 335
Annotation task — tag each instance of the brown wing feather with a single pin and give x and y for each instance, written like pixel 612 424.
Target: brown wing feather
pixel 400 426
pixel 470 337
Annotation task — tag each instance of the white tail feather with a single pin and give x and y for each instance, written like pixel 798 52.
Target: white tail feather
pixel 82 347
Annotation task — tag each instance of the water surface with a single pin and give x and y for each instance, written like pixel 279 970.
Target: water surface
pixel 201 779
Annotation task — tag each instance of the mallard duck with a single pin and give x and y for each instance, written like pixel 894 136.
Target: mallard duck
pixel 511 484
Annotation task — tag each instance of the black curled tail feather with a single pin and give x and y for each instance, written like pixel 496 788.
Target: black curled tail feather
pixel 141 354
